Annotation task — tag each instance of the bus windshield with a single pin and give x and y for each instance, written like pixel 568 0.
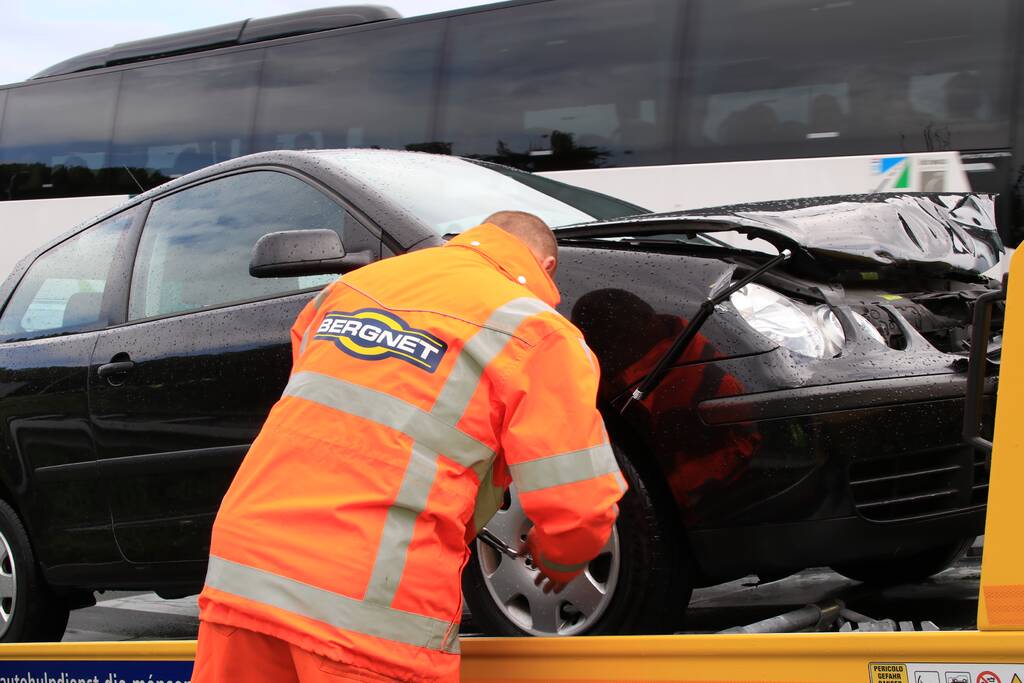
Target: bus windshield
pixel 452 195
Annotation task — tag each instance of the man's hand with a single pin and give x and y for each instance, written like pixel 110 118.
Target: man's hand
pixel 546 583
pixel 542 581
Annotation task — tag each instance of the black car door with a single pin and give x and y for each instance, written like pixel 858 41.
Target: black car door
pixel 48 329
pixel 180 391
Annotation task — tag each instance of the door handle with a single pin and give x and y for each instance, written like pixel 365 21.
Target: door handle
pixel 111 370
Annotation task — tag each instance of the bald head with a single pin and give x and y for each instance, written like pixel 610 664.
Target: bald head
pixel 531 231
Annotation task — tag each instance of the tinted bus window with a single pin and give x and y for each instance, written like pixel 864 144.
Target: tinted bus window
pixel 363 89
pixel 178 117
pixel 562 85
pixel 5 169
pixel 56 137
pixel 787 78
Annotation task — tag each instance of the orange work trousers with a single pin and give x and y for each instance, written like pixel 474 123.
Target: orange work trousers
pixel 226 653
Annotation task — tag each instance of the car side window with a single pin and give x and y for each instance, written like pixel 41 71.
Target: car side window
pixel 62 291
pixel 196 245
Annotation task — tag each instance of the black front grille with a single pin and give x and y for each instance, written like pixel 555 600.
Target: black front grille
pixel 919 483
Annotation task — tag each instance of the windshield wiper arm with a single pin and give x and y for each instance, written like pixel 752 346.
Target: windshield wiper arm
pixel 653 379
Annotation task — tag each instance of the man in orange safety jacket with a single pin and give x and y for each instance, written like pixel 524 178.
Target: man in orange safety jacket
pixel 422 386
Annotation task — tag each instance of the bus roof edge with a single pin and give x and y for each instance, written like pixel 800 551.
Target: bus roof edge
pixel 213 37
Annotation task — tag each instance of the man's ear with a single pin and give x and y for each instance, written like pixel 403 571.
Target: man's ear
pixel 549 264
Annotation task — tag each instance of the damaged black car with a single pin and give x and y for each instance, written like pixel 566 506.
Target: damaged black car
pixel 783 383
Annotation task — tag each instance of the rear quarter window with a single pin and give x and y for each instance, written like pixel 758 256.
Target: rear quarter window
pixel 62 291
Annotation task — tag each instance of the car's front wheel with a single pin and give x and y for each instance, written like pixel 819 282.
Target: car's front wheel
pixel 639 582
pixel 29 611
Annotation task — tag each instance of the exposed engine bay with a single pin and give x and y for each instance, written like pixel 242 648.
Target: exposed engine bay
pixel 907 264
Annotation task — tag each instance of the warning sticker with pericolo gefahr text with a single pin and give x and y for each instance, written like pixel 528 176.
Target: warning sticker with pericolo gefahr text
pixel 933 672
pixel 889 673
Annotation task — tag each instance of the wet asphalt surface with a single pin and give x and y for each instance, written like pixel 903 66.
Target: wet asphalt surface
pixel 950 600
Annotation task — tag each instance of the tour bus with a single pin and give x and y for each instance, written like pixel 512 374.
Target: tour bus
pixel 669 104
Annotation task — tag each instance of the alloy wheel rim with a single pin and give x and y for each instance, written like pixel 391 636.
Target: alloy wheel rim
pixel 510 582
pixel 8 584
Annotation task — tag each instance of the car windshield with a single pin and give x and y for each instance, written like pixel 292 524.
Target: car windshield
pixel 452 195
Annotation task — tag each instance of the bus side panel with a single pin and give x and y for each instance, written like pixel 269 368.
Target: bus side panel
pixel 694 186
pixel 29 224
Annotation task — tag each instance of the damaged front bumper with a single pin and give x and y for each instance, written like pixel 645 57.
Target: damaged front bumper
pixel 889 476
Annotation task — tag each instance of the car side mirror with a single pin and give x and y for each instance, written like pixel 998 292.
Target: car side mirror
pixel 291 253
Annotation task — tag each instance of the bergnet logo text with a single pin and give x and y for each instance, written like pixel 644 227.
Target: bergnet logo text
pixel 374 334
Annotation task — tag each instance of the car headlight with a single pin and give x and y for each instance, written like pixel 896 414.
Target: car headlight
pixel 867 328
pixel 835 337
pixel 787 324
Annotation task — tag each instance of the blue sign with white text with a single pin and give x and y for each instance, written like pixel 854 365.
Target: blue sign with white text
pixel 95 672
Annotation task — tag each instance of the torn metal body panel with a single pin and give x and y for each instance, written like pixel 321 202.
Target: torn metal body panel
pixel 936 233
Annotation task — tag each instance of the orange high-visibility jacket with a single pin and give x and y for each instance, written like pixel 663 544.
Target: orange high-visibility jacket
pixel 422 386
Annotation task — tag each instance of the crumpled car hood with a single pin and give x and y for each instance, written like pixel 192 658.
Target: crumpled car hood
pixel 935 232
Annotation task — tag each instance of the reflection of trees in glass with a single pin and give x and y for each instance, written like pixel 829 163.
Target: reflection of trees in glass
pixel 431 147
pixel 40 181
pixel 937 137
pixel 563 154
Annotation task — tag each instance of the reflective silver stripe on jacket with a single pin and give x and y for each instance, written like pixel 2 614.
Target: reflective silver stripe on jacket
pixel 564 468
pixel 478 352
pixel 399 524
pixel 389 411
pixel 449 407
pixel 330 608
pixel 317 301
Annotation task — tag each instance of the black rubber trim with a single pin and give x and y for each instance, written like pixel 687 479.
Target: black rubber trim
pixel 981 329
pixel 148 463
pixel 835 397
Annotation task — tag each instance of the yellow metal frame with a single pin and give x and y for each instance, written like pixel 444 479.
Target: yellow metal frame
pixel 1001 601
pixel 770 657
pixel 803 657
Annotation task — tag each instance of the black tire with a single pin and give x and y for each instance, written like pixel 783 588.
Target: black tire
pixel 33 613
pixel 906 568
pixel 655 571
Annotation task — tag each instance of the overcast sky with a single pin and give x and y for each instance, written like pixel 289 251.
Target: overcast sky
pixel 35 34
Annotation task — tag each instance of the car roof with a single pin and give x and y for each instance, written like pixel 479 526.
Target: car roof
pixel 317 163
pixel 324 165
